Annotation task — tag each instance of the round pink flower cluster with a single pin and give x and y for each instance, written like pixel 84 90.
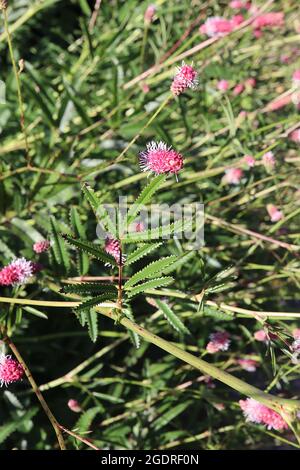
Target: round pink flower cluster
pixel 10 370
pixel 186 77
pixel 267 20
pixel 219 341
pixel 216 26
pixel 261 414
pixel 74 406
pixel 233 176
pixel 274 213
pixel 159 158
pixel 17 272
pixel 41 246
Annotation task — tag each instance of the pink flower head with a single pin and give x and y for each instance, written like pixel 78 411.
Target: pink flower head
pixel 250 82
pixel 256 412
pixel 10 370
pixel 159 158
pixel 217 26
pixel 219 341
pixel 240 5
pixel 262 336
pixel 112 247
pixel 238 89
pixel 269 20
pixel 233 176
pixel 223 85
pixel 296 333
pixel 139 227
pixel 296 346
pixel 296 77
pixel 74 406
pixel 149 14
pixel 274 213
pixel 186 77
pixel 295 136
pixel 17 272
pixel 41 246
pixel 249 365
pixel 268 160
pixel 249 161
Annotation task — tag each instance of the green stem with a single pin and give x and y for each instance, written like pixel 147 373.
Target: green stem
pixel 271 401
pixel 18 82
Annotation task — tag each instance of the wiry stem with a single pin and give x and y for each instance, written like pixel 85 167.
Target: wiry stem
pixel 18 82
pixel 35 388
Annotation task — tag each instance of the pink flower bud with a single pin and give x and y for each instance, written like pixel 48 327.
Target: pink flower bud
pixel 149 14
pixel 249 161
pixel 238 89
pixel 74 406
pixel 295 136
pixel 233 176
pixel 274 213
pixel 186 77
pixel 268 160
pixel 223 85
pixel 249 365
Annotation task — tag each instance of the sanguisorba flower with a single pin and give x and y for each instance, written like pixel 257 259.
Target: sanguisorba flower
pixel 249 365
pixel 17 272
pixel 186 77
pixel 159 158
pixel 112 247
pixel 274 213
pixel 149 14
pixel 41 246
pixel 249 161
pixel 269 20
pixel 216 26
pixel 219 341
pixel 256 412
pixel 223 85
pixel 294 136
pixel 268 160
pixel 296 77
pixel 10 370
pixel 74 406
pixel 233 176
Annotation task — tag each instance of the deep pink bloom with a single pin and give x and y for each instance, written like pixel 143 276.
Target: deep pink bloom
pixel 295 136
pixel 17 272
pixel 186 77
pixel 296 333
pixel 296 77
pixel 274 213
pixel 74 406
pixel 249 161
pixel 249 365
pixel 233 176
pixel 219 341
pixel 269 20
pixel 258 413
pixel 261 335
pixel 250 82
pixel 217 26
pixel 238 89
pixel 159 158
pixel 223 85
pixel 240 4
pixel 41 246
pixel 268 160
pixel 10 370
pixel 112 247
pixel 149 14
